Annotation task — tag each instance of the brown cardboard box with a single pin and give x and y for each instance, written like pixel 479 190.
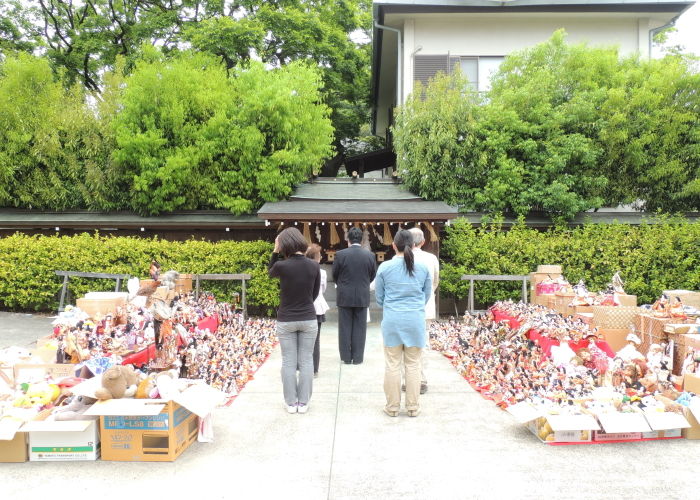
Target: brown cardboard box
pixel 93 304
pixel 574 310
pixel 538 278
pixel 684 344
pixel 692 415
pixel 691 383
pixel 13 444
pixel 689 298
pixel 627 300
pixel 38 372
pixel 615 337
pixel 650 330
pixel 585 317
pixel 562 301
pixel 145 430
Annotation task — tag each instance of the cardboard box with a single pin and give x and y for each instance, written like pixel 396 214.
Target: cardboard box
pixel 682 328
pixel 691 383
pixel 689 297
pixel 536 278
pixel 100 305
pixel 67 441
pixel 38 372
pixel 562 301
pixel 627 300
pixel 554 428
pixel 615 337
pixel 621 427
pixel 144 430
pixel 683 346
pixel 692 415
pixel 574 310
pixel 616 436
pixel 665 425
pixel 13 444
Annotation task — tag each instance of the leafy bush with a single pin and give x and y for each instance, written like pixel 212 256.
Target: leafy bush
pixel 651 257
pixel 27 265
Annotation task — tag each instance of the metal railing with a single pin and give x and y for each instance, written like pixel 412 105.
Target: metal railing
pixel 225 277
pixel 493 277
pixel 79 274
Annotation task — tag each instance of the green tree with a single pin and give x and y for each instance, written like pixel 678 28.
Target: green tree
pixel 46 137
pixel 18 30
pixel 189 137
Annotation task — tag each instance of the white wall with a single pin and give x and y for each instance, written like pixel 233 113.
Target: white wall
pixel 498 35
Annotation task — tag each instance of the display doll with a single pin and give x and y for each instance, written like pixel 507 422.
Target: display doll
pixel 630 352
pixel 676 310
pixel 661 308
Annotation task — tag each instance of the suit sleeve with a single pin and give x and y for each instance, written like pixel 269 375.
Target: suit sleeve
pixel 336 268
pixel 372 266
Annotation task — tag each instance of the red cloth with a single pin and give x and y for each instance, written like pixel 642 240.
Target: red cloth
pixel 212 323
pixel 499 316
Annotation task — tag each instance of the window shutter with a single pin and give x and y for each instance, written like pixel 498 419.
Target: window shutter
pixel 426 67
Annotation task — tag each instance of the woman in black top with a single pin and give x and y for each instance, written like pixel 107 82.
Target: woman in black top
pixel 300 280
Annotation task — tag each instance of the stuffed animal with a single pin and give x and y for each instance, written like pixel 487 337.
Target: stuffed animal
pixel 74 409
pixel 118 382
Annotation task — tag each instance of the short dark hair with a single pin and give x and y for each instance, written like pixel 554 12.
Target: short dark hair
pixel 355 235
pixel 291 241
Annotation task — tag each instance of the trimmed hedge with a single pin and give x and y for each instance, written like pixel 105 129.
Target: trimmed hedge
pixel 27 265
pixel 651 257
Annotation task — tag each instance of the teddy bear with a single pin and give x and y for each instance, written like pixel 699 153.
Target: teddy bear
pixel 118 382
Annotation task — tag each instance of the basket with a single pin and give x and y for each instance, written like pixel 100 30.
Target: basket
pixel 548 269
pixel 614 316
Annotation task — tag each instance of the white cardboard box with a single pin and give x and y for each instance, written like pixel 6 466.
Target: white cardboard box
pixel 51 441
pixel 558 428
pixel 665 425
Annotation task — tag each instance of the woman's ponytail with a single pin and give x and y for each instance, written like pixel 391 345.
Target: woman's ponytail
pixel 404 243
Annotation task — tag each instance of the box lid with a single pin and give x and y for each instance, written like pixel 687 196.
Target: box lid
pixel 200 399
pixel 623 422
pixel 8 429
pixel 28 372
pixel 572 423
pixel 127 407
pixel 57 426
pixel 694 408
pixel 106 295
pixel 524 412
pixel 663 421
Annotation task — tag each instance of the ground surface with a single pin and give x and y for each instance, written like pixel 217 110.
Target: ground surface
pixel 461 446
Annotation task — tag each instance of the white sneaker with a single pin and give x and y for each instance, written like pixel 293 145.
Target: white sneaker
pixel 292 408
pixel 302 408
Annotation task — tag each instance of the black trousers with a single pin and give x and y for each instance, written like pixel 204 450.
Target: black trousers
pixel 317 345
pixel 352 332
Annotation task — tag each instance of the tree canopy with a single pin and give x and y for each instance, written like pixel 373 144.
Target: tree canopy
pixel 564 129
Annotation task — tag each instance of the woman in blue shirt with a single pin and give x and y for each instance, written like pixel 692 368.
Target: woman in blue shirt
pixel 402 289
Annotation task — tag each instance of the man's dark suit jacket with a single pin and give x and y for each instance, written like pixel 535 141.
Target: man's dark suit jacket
pixel 354 268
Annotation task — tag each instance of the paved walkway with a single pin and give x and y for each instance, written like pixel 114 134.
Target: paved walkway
pixel 461 446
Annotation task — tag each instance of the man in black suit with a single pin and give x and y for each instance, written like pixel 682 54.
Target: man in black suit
pixel 354 269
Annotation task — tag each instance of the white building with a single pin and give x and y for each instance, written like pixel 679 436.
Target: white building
pixel 414 39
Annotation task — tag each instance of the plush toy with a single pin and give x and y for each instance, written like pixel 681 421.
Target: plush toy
pixel 118 382
pixel 147 387
pixel 74 409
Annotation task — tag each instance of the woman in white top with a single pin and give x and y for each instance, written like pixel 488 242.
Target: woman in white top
pixel 320 304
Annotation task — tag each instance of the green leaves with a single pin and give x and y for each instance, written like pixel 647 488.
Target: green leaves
pixel 652 257
pixel 27 265
pixel 189 137
pixel 564 129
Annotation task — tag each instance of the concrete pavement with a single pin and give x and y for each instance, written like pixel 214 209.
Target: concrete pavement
pixel 461 446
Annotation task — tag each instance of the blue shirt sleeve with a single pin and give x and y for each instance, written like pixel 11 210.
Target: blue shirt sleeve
pixel 379 287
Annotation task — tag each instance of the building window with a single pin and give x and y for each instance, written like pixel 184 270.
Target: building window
pixel 476 69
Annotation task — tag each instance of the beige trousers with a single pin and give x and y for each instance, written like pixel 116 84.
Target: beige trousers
pixel 395 358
